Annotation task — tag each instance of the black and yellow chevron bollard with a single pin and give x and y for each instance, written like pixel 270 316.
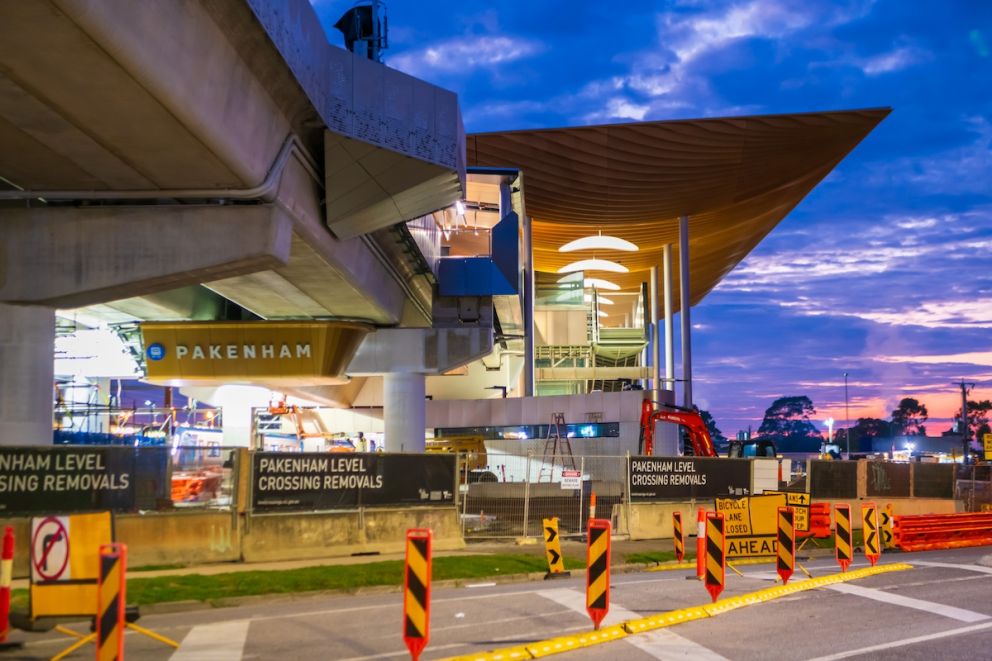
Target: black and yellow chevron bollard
pixel 111 598
pixel 785 563
pixel 842 536
pixel 552 550
pixel 869 517
pixel 888 539
pixel 417 591
pixel 598 571
pixel 716 554
pixel 678 536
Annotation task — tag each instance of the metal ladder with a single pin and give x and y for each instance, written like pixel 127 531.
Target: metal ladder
pixel 557 448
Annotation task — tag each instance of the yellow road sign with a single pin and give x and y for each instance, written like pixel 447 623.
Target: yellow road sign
pixel 65 560
pixel 552 546
pixel 751 523
pixel 987 440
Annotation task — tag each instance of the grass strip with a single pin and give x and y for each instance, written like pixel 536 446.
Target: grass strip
pixel 217 587
pixel 652 557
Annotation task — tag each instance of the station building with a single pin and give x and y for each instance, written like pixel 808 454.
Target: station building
pixel 265 223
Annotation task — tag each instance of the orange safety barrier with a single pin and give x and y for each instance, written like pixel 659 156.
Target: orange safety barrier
pixel 819 521
pixel 923 532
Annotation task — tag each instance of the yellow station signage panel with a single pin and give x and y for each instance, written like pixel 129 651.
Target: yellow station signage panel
pixel 269 352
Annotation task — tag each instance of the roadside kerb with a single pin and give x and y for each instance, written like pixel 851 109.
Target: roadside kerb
pixel 560 644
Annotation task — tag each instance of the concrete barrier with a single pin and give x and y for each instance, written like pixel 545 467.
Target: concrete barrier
pixel 300 536
pixel 183 538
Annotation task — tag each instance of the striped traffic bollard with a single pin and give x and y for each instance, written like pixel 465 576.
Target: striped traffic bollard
pixel 110 601
pixel 786 560
pixel 872 541
pixel 552 549
pixel 842 536
pixel 716 554
pixel 417 591
pixel 678 536
pixel 888 540
pixel 598 570
pixel 6 576
pixel 701 543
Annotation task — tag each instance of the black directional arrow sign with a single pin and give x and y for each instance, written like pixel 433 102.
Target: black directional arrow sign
pixel 553 547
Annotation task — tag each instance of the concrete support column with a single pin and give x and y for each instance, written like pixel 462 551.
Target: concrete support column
pixel 528 309
pixel 655 360
pixel 666 269
pixel 27 365
pixel 684 289
pixel 404 411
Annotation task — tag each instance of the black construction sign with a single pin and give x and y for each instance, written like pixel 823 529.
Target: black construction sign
pixel 66 479
pixel 661 478
pixel 324 481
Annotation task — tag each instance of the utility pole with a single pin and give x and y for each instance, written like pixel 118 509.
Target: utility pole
pixel 965 428
pixel 847 419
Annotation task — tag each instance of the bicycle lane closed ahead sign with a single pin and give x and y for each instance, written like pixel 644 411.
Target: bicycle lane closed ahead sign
pixel 50 549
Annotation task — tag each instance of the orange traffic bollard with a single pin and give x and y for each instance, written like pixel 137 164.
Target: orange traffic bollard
pixel 111 597
pixel 6 576
pixel 678 536
pixel 716 554
pixel 598 571
pixel 417 591
pixel 786 561
pixel 700 543
pixel 592 505
pixel 842 536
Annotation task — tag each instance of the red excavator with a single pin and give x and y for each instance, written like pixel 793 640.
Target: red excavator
pixel 699 436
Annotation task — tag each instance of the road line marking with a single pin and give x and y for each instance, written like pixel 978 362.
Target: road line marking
pixel 951 565
pixel 480 585
pixel 222 641
pixel 861 651
pixel 909 602
pixel 659 644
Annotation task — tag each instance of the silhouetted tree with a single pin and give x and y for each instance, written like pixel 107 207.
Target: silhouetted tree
pixel 978 419
pixel 787 422
pixel 909 417
pixel 864 431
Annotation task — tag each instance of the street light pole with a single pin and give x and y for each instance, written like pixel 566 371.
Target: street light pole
pixel 847 419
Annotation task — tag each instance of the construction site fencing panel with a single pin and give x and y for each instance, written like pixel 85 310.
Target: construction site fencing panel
pixel 833 479
pixel 934 480
pixel 120 478
pixel 974 488
pixel 887 479
pixel 520 487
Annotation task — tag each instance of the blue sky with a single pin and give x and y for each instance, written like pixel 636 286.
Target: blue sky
pixel 884 271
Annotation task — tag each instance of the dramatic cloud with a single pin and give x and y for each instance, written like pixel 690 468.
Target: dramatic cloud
pixel 463 55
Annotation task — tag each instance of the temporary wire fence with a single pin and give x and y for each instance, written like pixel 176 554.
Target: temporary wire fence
pixel 514 493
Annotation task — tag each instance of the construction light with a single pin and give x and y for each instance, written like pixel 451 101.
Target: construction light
pixel 598 283
pixel 598 242
pixel 594 265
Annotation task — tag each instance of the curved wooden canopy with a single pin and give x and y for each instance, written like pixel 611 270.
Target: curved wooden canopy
pixel 735 178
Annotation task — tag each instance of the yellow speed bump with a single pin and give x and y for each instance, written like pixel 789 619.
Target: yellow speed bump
pixel 565 643
pixel 606 634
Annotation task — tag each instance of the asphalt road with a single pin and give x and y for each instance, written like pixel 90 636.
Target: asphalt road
pixel 939 610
